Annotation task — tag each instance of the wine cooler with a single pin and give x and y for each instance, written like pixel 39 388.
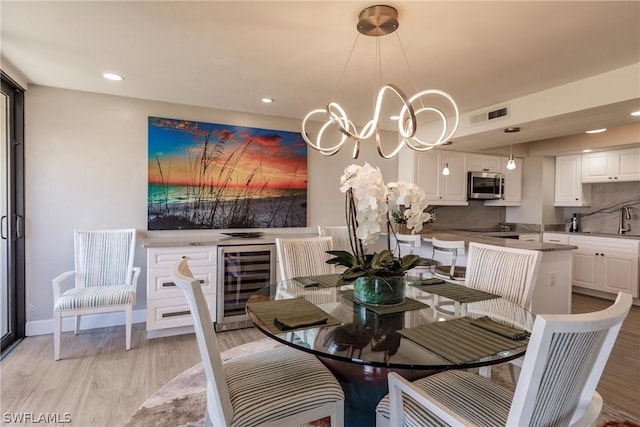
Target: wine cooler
pixel 242 271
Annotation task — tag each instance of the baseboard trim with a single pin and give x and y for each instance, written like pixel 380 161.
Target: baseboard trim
pixel 89 321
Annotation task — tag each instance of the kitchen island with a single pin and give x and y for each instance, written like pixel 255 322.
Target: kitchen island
pixel 552 291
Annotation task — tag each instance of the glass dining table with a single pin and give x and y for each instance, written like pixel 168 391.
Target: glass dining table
pixel 439 326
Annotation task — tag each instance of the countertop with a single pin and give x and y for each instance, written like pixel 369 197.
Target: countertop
pixel 213 240
pixel 495 240
pixel 594 234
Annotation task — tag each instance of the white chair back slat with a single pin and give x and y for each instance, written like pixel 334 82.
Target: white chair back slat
pixel 299 257
pixel 99 256
pixel 563 365
pixel 340 234
pixel 508 272
pixel 219 406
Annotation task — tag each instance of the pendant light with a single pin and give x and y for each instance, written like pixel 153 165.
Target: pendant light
pixel 511 164
pixel 378 21
pixel 445 169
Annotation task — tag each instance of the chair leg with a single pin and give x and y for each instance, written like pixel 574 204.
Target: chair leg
pixel 127 325
pixel 57 324
pixel 485 371
pixel 77 330
pixel 515 373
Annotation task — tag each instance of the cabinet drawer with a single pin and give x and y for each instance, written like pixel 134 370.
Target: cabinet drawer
pixel 173 312
pixel 167 257
pixel 605 244
pixel 160 283
pixel 561 239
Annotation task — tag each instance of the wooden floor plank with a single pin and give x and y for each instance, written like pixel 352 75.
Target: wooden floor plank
pixel 101 384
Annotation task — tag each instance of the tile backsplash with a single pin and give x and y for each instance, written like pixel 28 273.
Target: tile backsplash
pixel 603 216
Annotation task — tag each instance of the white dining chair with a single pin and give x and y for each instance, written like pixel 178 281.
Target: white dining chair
pixel 508 272
pixel 304 256
pixel 445 256
pixel 104 277
pixel 410 244
pixel 276 387
pixel 340 235
pixel 562 367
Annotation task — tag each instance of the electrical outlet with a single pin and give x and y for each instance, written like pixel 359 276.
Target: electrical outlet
pixel 552 279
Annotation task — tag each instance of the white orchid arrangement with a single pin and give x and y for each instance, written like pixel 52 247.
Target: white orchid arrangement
pixel 367 206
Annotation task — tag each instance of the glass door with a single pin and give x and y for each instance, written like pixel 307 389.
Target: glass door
pixel 12 289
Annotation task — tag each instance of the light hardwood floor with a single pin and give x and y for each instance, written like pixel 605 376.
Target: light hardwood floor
pixel 98 383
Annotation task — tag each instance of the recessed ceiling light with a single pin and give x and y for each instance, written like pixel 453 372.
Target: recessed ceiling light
pixel 596 130
pixel 394 117
pixel 636 113
pixel 112 76
pixel 267 100
pixel 586 150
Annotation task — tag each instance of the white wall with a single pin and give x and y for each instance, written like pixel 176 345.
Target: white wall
pixel 86 167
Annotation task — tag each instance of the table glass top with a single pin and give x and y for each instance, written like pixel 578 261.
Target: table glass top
pixel 421 337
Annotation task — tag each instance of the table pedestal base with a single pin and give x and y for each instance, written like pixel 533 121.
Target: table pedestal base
pixel 364 386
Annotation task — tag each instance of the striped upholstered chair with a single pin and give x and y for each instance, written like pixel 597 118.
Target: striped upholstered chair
pixel 304 256
pixel 281 386
pixel 508 272
pixel 105 280
pixel 562 366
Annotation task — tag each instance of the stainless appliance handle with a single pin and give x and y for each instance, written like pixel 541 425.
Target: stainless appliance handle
pixel 3 231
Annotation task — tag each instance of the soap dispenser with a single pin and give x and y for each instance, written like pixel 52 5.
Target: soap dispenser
pixel 573 227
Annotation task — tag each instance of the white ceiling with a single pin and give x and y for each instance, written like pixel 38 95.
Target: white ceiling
pixel 229 54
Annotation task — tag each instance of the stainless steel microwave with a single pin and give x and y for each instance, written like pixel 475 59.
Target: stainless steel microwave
pixel 485 186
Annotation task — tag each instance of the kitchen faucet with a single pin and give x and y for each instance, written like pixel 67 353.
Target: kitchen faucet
pixel 624 214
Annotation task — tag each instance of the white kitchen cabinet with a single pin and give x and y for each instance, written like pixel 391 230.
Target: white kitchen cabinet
pixel 605 264
pixel 559 238
pixel 611 166
pixel 529 237
pixel 569 189
pixel 442 189
pixel 512 184
pixel 483 163
pixel 166 304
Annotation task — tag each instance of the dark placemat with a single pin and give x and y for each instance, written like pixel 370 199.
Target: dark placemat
pixel 455 292
pixel 320 281
pixel 407 305
pixel 459 341
pixel 295 309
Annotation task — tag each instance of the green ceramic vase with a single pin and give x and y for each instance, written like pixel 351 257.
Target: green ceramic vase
pixel 379 290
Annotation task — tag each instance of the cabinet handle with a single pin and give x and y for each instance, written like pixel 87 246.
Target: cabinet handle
pixel 176 313
pixel 554 240
pixel 615 177
pixel 576 198
pixel 601 254
pixel 171 284
pixel 597 254
pixel 609 177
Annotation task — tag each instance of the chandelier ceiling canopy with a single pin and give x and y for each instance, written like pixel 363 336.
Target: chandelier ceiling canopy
pixel 377 21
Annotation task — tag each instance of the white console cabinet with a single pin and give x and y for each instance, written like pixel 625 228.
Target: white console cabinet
pixel 166 303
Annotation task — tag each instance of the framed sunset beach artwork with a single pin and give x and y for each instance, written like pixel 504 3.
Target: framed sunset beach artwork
pixel 206 175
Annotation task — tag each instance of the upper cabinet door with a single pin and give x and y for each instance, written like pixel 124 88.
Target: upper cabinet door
pixel 454 185
pixel 569 188
pixel 611 166
pixel 628 165
pixel 483 163
pixel 595 167
pixel 428 173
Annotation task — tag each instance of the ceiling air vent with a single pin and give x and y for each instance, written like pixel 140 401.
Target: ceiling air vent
pixel 492 114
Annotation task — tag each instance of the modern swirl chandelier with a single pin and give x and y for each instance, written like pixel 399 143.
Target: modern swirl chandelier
pixel 378 21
